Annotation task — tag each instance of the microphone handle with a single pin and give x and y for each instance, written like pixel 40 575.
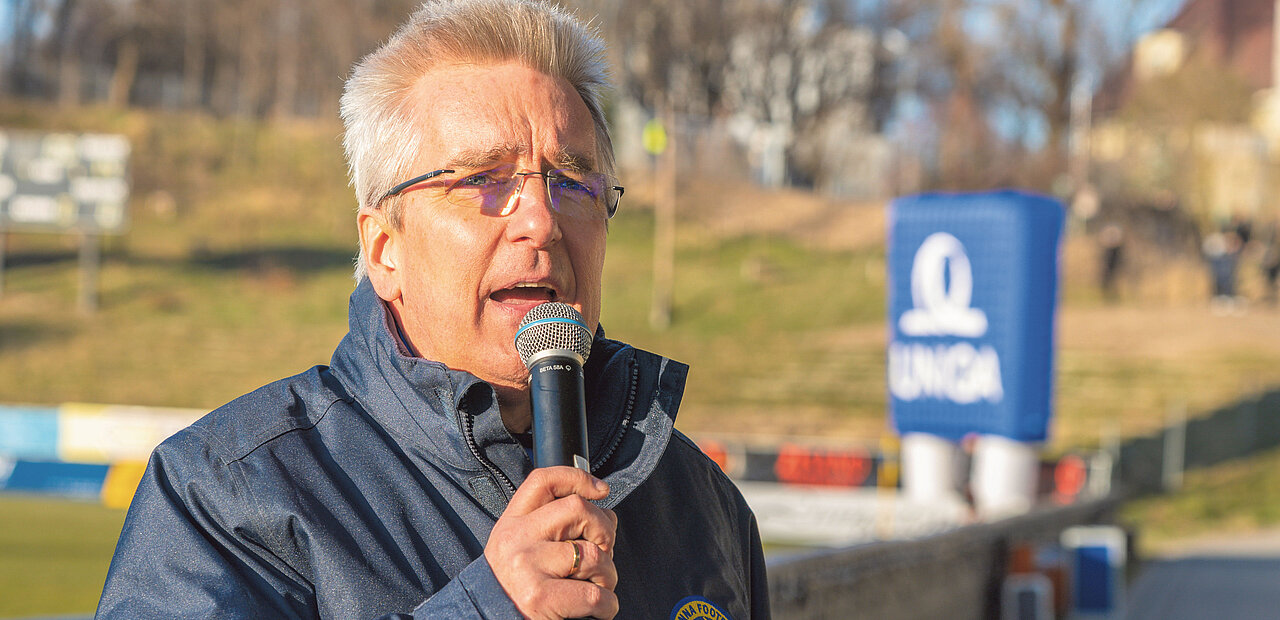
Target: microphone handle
pixel 559 413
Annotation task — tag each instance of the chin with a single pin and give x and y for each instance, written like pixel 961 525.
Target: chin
pixel 509 372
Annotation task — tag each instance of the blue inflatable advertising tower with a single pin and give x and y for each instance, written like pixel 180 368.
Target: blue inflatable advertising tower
pixel 973 285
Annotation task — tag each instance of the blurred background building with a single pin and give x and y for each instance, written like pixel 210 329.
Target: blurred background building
pixel 1196 111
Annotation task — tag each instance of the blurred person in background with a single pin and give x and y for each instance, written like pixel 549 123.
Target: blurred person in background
pixel 1222 252
pixel 398 480
pixel 1111 259
pixel 1269 263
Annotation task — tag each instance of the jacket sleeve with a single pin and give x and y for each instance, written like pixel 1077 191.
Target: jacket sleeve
pixel 183 551
pixel 474 593
pixel 188 549
pixel 759 579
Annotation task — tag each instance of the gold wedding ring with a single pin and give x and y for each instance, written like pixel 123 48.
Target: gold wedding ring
pixel 577 557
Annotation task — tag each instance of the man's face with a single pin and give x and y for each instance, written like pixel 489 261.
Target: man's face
pixel 460 280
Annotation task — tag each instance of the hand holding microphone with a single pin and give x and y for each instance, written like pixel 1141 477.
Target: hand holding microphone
pixel 552 550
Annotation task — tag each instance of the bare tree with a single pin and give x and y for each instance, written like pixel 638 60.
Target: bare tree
pixel 22 74
pixel 999 76
pixel 248 57
pixel 288 34
pixel 784 75
pixel 194 51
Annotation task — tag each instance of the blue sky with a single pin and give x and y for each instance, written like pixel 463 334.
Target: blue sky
pixel 1027 125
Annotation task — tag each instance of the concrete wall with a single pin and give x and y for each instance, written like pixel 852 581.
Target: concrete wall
pixel 957 575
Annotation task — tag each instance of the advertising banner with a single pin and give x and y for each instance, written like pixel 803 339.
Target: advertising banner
pixel 63 182
pixel 973 281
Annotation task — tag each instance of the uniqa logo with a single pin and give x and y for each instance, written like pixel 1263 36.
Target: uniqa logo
pixel 939 310
pixel 959 372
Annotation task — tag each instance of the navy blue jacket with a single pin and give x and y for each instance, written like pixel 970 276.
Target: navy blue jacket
pixel 369 487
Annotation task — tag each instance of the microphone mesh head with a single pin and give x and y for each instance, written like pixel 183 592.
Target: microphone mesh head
pixel 552 325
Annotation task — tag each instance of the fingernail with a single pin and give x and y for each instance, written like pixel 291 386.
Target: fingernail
pixel 601 485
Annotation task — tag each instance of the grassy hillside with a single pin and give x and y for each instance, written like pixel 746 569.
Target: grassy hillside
pixel 234 272
pixel 236 268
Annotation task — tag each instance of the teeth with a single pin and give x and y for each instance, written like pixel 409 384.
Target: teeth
pixel 550 291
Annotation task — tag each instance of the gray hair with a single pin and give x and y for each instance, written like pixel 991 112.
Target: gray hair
pixel 381 137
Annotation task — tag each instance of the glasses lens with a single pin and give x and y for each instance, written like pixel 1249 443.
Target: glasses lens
pixel 578 194
pixel 612 196
pixel 486 190
pixel 574 194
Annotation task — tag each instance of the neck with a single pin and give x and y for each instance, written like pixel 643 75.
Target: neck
pixel 514 403
pixel 515 407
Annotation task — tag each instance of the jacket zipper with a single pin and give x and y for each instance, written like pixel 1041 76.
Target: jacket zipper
pixel 604 457
pixel 493 470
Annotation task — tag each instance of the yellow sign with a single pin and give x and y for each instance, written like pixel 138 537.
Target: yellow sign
pixel 654 137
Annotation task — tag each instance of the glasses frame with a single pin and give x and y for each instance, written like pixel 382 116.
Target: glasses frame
pixel 396 190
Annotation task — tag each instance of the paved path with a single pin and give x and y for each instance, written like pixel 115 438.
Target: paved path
pixel 1227 578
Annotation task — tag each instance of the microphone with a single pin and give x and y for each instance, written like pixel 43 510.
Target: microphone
pixel 554 343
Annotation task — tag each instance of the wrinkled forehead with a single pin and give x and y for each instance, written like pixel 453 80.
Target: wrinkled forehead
pixel 477 114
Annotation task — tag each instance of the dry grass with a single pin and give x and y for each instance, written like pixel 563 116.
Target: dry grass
pixel 1221 507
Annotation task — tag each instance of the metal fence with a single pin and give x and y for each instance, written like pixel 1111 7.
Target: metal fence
pixel 1155 462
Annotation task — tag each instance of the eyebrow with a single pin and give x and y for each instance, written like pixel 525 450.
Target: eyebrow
pixel 481 157
pixel 575 161
pixel 565 158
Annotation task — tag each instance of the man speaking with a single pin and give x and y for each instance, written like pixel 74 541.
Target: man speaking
pixel 398 480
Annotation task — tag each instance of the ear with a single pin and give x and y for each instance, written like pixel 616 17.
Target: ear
pixel 380 243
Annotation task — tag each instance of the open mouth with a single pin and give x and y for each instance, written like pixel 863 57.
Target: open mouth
pixel 525 292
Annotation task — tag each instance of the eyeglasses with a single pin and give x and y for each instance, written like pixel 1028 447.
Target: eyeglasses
pixel 576 194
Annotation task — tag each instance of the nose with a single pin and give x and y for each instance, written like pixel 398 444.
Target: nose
pixel 529 216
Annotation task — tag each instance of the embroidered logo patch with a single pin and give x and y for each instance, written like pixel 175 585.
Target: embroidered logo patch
pixel 697 608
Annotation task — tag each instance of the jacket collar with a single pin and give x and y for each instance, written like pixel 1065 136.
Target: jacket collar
pixel 415 399
pixel 431 410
